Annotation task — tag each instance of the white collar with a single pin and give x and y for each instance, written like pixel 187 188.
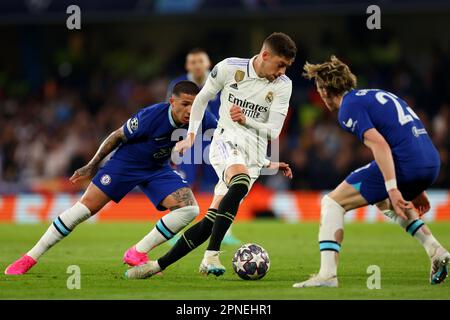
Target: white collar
pixel 251 70
pixel 171 120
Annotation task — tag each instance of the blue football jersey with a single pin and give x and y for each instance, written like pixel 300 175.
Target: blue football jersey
pixel 364 109
pixel 151 134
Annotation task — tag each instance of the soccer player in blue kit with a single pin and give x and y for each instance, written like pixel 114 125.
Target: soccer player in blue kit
pixel 406 164
pixel 144 145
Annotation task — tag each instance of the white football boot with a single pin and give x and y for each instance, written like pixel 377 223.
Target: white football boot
pixel 317 281
pixel 439 266
pixel 211 264
pixel 143 271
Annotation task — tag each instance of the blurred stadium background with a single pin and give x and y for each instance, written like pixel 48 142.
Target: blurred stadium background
pixel 62 92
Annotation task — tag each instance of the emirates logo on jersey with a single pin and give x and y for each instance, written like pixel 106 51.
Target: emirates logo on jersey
pixel 249 109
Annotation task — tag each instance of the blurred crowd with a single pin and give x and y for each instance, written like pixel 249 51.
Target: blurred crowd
pixel 52 127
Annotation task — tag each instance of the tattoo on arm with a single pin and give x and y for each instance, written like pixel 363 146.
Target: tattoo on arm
pixel 108 145
pixel 184 197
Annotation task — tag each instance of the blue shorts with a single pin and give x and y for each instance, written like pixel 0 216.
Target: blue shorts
pixel 115 179
pixel 411 182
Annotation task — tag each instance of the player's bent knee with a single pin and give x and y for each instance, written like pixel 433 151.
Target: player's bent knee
pixel 239 185
pixel 328 200
pixel 346 204
pixel 94 199
pixel 234 170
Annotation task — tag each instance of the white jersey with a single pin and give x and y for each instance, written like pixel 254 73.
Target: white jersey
pixel 257 97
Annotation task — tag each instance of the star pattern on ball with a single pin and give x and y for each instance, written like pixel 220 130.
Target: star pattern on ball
pixel 240 265
pixel 258 259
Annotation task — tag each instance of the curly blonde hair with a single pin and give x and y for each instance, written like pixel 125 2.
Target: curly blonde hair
pixel 334 76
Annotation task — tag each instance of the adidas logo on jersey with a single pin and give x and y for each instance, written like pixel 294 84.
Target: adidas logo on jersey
pixel 234 86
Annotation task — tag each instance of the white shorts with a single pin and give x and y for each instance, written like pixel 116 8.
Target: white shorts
pixel 224 153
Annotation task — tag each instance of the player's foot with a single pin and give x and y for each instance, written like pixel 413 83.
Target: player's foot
pixel 439 266
pixel 318 281
pixel 143 271
pixel 133 258
pixel 21 266
pixel 211 264
pixel 230 239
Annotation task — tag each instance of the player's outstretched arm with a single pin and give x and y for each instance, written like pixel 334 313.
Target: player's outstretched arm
pixel 213 85
pixel 195 119
pixel 108 145
pixel 383 157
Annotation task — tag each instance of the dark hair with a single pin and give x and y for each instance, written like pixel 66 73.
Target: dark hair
pixel 281 45
pixel 197 50
pixel 187 87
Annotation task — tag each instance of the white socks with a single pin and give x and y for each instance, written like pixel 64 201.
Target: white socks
pixel 330 236
pixel 417 228
pixel 60 228
pixel 167 227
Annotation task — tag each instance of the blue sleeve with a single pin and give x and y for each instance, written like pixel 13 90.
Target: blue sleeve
pixel 209 121
pixel 138 126
pixel 355 118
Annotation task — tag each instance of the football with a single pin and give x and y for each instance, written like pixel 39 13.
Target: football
pixel 251 262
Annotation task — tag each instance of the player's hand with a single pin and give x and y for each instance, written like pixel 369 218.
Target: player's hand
pixel 421 203
pixel 237 115
pixel 86 172
pixel 182 146
pixel 399 204
pixel 284 167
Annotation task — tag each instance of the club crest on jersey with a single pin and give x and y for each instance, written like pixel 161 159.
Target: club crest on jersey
pixel 269 97
pixel 239 76
pixel 214 72
pixel 105 179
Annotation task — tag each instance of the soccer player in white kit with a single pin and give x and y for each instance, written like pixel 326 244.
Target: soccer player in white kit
pixel 254 98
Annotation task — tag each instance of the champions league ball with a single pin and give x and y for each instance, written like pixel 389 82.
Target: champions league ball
pixel 251 262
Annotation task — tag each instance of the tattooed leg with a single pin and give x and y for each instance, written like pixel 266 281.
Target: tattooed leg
pixel 181 198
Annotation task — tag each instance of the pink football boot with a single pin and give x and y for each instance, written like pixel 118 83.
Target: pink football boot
pixel 21 266
pixel 134 258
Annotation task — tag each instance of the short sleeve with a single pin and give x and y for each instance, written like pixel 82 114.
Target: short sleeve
pixel 355 118
pixel 281 99
pixel 137 126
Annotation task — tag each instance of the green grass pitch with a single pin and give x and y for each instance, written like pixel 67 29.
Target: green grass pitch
pixel 98 248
